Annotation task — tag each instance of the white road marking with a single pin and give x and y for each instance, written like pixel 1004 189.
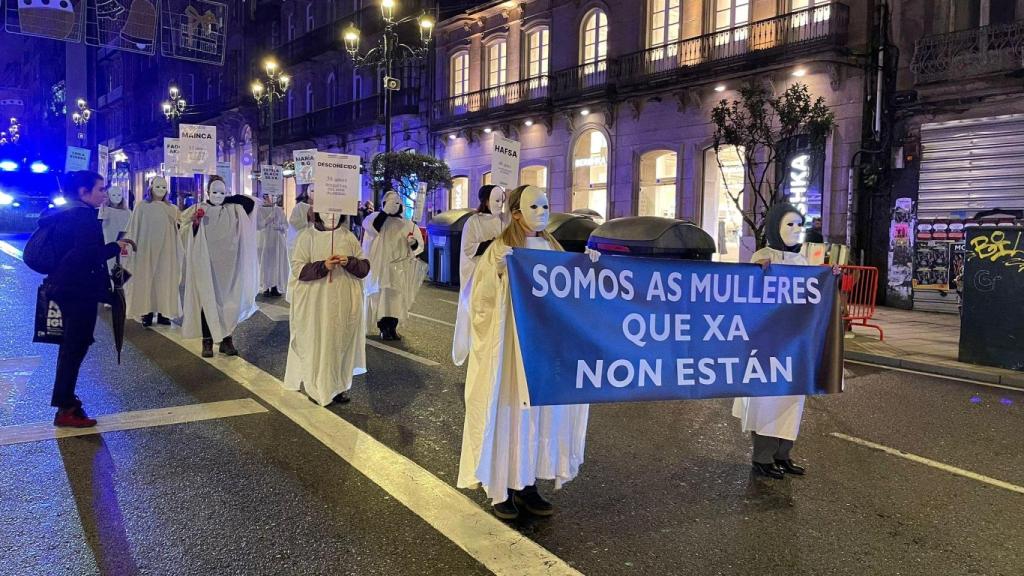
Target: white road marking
pixel 934 464
pixel 942 376
pixel 402 353
pixel 422 317
pixel 452 302
pixel 132 421
pixel 11 250
pixel 275 312
pixel 500 548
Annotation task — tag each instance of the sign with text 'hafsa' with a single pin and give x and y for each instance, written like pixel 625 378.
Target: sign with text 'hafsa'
pixel 198 148
pixel 337 181
pixel 77 159
pixel 271 180
pixel 637 329
pixel 304 166
pixel 505 162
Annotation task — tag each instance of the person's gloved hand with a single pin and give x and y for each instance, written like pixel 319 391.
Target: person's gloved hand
pixel 594 255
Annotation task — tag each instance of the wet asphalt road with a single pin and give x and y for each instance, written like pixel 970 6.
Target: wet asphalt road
pixel 665 488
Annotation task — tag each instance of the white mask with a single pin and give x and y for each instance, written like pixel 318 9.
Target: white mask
pixel 217 193
pixel 158 187
pixel 309 194
pixel 534 206
pixel 392 205
pixel 115 195
pixel 496 202
pixel 790 229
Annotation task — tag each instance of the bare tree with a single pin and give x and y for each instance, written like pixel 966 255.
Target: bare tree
pixel 762 127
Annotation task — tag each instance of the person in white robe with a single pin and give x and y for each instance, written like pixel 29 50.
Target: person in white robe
pixel 302 212
pixel 156 264
pixel 774 421
pixel 393 244
pixel 115 215
pixel 506 448
pixel 221 268
pixel 480 230
pixel 327 344
pixel 271 246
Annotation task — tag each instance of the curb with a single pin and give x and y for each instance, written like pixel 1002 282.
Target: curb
pixel 1015 381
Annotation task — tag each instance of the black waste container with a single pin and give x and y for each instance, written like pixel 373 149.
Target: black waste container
pixel 592 214
pixel 653 236
pixel 571 230
pixel 444 243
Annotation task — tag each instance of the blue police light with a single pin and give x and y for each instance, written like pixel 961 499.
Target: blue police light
pixel 59 201
pixel 38 167
pixel 6 199
pixel 8 166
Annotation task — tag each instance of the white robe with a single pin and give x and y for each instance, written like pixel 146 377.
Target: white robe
pixel 480 228
pixel 506 446
pixel 115 221
pixel 221 270
pixel 156 265
pixel 776 416
pixel 272 247
pixel 395 272
pixel 328 342
pixel 298 221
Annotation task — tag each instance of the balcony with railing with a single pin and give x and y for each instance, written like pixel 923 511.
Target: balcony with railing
pixel 970 53
pixel 342 118
pixel 512 97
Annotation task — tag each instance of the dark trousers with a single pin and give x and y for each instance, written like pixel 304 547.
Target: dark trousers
pixel 768 449
pixel 79 317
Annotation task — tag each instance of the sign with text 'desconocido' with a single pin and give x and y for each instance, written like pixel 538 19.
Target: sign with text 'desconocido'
pixel 337 181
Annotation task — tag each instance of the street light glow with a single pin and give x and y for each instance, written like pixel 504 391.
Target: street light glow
pixel 585 112
pixel 720 88
pixel 387 9
pixel 487 130
pixel 528 123
pixel 38 167
pixel 800 72
pixel 452 137
pixel 270 65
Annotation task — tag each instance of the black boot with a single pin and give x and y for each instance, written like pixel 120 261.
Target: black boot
pixel 207 347
pixel 385 334
pixel 274 292
pixel 227 347
pixel 506 510
pixel 342 398
pixel 147 320
pixel 530 499
pixel 768 471
pixel 789 468
pixel 163 320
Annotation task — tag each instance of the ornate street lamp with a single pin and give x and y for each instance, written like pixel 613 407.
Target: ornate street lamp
pixel 81 119
pixel 390 52
pixel 12 134
pixel 268 92
pixel 174 106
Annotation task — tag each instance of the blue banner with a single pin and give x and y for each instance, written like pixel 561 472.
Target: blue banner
pixel 632 329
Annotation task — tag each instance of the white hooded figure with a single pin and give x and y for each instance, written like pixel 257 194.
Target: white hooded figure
pixel 221 268
pixel 507 448
pixel 115 215
pixel 327 345
pixel 393 244
pixel 156 264
pixel 774 421
pixel 480 230
pixel 298 220
pixel 272 247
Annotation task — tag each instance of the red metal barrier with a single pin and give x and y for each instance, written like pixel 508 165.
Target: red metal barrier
pixel 859 286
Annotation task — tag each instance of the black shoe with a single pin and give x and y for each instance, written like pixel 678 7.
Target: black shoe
pixel 768 471
pixel 530 499
pixel 207 347
pixel 227 347
pixel 395 335
pixel 342 399
pixel 147 320
pixel 789 468
pixel 163 320
pixel 274 292
pixel 506 510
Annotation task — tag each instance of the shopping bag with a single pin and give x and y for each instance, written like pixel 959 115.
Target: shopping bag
pixel 49 326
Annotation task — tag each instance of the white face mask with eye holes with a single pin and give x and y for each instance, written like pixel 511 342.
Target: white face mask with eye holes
pixel 217 193
pixel 496 202
pixel 533 205
pixel 392 205
pixel 791 229
pixel 115 195
pixel 158 187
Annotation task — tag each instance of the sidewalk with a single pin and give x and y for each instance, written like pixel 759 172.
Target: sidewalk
pixel 922 341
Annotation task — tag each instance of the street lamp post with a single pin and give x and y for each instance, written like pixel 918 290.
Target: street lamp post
pixel 173 108
pixel 267 92
pixel 389 52
pixel 81 119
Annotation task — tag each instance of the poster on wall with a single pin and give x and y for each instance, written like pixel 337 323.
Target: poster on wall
pixel 129 25
pixel 172 156
pixel 338 182
pixel 102 160
pixel 505 162
pixel 57 20
pixel 198 148
pixel 271 180
pixel 193 30
pixel 77 159
pixel 304 166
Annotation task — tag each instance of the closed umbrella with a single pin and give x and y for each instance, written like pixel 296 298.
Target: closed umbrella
pixel 118 307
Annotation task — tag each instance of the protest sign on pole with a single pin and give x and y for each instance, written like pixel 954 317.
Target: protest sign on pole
pixel 505 162
pixel 172 156
pixel 640 329
pixel 304 166
pixel 102 160
pixel 420 203
pixel 271 180
pixel 198 148
pixel 77 159
pixel 337 181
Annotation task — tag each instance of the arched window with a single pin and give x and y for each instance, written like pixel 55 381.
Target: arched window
pixel 663 22
pixel 594 44
pixel 289 31
pixel 657 195
pixel 496 70
pixel 310 100
pixel 590 172
pixel 459 74
pixel 310 18
pixel 332 93
pixel 537 52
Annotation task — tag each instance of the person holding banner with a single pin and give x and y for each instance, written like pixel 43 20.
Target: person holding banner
pixel 506 445
pixel 272 247
pixel 156 265
pixel 115 214
pixel 327 346
pixel 221 268
pixel 395 272
pixel 480 230
pixel 774 421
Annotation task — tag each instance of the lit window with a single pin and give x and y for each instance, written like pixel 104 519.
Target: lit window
pixel 537 51
pixel 497 64
pixel 460 74
pixel 731 14
pixel 664 23
pixel 595 40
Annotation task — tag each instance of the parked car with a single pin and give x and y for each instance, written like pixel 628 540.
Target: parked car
pixel 26 191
